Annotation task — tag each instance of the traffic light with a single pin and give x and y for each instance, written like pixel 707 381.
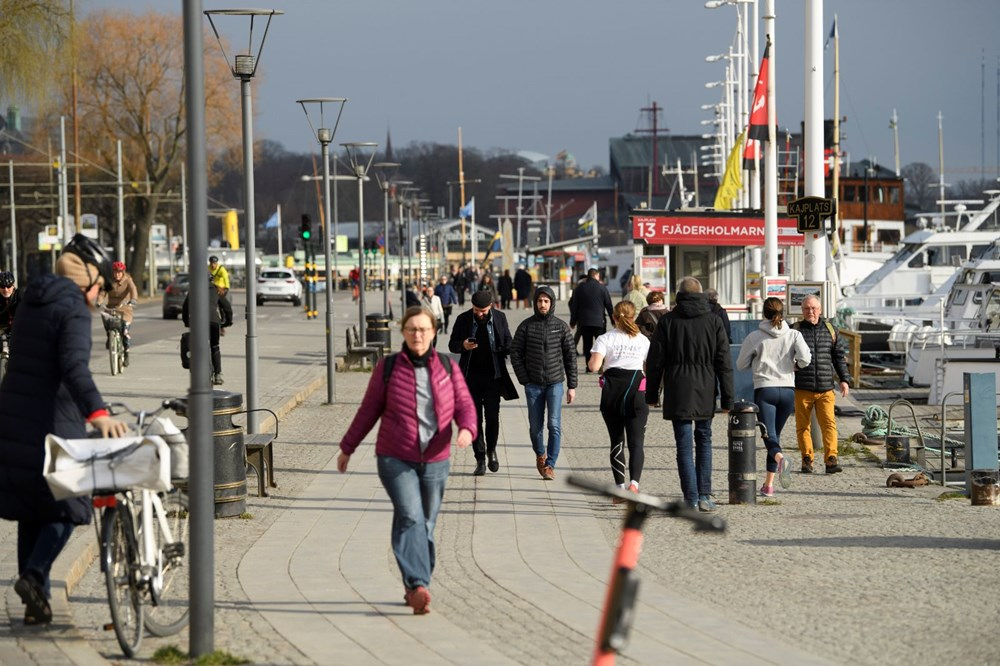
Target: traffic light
pixel 306 227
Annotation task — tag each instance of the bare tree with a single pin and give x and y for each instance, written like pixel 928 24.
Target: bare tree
pixel 921 185
pixel 131 88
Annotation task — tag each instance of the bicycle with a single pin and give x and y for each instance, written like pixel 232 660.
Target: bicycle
pixel 114 324
pixel 143 538
pixel 623 588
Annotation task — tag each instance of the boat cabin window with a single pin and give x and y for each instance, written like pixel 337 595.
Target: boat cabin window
pixel 978 251
pixel 850 193
pixel 992 314
pixel 918 261
pixel 893 194
pixel 961 295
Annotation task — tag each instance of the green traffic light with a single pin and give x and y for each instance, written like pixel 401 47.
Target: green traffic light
pixel 306 235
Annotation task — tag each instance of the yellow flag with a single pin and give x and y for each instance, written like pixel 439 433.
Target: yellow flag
pixel 732 180
pixel 231 229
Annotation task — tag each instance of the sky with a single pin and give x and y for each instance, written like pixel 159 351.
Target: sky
pixel 553 75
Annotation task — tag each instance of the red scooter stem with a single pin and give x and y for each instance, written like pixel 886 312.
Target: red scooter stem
pixel 616 618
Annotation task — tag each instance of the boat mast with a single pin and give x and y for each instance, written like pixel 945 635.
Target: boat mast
pixel 894 124
pixel 940 119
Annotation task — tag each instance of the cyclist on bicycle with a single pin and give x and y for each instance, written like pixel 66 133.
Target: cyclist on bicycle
pixel 220 276
pixel 121 297
pixel 49 389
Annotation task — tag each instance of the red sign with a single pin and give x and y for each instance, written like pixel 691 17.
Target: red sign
pixel 709 229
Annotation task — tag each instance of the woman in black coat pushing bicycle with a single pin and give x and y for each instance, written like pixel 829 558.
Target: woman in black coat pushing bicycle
pixel 49 389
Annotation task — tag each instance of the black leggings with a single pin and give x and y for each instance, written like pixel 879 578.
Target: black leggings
pixel 630 431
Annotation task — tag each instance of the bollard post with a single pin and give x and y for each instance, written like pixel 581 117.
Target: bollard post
pixel 743 426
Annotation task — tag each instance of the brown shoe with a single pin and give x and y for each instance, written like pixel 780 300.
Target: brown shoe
pixel 807 465
pixel 548 473
pixel 540 464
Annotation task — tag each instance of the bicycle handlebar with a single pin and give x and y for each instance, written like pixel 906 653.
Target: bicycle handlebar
pixel 702 522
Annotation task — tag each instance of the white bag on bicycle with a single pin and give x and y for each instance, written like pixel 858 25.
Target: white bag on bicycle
pixel 175 439
pixel 78 467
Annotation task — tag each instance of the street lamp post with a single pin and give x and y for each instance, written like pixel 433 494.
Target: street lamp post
pixel 402 186
pixel 383 172
pixel 360 154
pixel 243 67
pixel 325 135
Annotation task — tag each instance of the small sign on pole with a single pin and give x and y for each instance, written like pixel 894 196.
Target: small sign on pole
pixel 809 212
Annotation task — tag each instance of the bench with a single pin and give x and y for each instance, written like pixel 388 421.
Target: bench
pixel 260 455
pixel 359 354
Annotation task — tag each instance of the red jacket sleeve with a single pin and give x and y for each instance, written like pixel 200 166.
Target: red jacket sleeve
pixel 372 406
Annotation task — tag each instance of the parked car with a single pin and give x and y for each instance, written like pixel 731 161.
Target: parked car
pixel 174 295
pixel 279 284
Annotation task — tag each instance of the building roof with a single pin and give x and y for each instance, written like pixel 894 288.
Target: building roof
pixel 636 151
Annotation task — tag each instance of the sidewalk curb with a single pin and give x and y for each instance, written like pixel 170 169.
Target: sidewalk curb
pixel 82 549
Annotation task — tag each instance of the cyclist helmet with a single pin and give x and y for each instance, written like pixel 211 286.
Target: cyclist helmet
pixel 92 253
pixel 6 279
pixel 118 266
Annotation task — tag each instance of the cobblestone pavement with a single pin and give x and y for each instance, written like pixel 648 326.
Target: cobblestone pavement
pixel 837 569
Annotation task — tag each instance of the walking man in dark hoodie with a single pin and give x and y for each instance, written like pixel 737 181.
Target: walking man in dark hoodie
pixel 543 357
pixel 689 352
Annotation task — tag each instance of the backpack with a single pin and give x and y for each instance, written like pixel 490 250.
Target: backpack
pixel 390 363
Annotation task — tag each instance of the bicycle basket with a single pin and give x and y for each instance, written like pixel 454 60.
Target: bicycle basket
pixel 78 467
pixel 175 439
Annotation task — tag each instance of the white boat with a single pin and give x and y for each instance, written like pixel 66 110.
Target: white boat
pixel 904 284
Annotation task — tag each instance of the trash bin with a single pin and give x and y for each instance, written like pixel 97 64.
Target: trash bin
pixel 378 332
pixel 229 455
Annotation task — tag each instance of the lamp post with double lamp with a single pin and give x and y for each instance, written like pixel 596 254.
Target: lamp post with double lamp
pixel 325 135
pixel 360 154
pixel 383 173
pixel 243 67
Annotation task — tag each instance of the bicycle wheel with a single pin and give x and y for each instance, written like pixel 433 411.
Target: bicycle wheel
pixel 170 584
pixel 121 566
pixel 115 352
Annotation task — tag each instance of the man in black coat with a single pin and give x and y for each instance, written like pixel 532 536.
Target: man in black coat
pixel 48 388
pixel 688 354
pixel 481 335
pixel 587 306
pixel 522 284
pixel 543 357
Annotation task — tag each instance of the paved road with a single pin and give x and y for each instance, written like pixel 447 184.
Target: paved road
pixel 839 569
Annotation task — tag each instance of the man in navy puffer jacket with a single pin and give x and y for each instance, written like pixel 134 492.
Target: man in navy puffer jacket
pixel 49 389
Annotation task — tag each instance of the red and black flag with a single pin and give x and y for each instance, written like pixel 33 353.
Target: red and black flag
pixel 757 129
pixel 758 112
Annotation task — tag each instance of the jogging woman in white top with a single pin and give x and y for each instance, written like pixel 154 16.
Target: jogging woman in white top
pixel 774 351
pixel 623 352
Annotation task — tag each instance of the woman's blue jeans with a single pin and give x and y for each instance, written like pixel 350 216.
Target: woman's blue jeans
pixel 416 491
pixel 694 458
pixel 541 397
pixel 776 404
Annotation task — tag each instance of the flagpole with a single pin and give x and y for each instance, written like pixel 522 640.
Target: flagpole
pixel 281 255
pixel 771 153
pixel 816 254
pixel 475 243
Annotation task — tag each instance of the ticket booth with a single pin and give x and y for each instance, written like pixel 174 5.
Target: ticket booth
pixel 723 249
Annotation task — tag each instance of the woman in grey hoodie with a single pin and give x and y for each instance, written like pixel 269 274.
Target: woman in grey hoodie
pixel 774 351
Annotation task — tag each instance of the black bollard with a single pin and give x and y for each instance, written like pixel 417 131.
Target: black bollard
pixel 743 426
